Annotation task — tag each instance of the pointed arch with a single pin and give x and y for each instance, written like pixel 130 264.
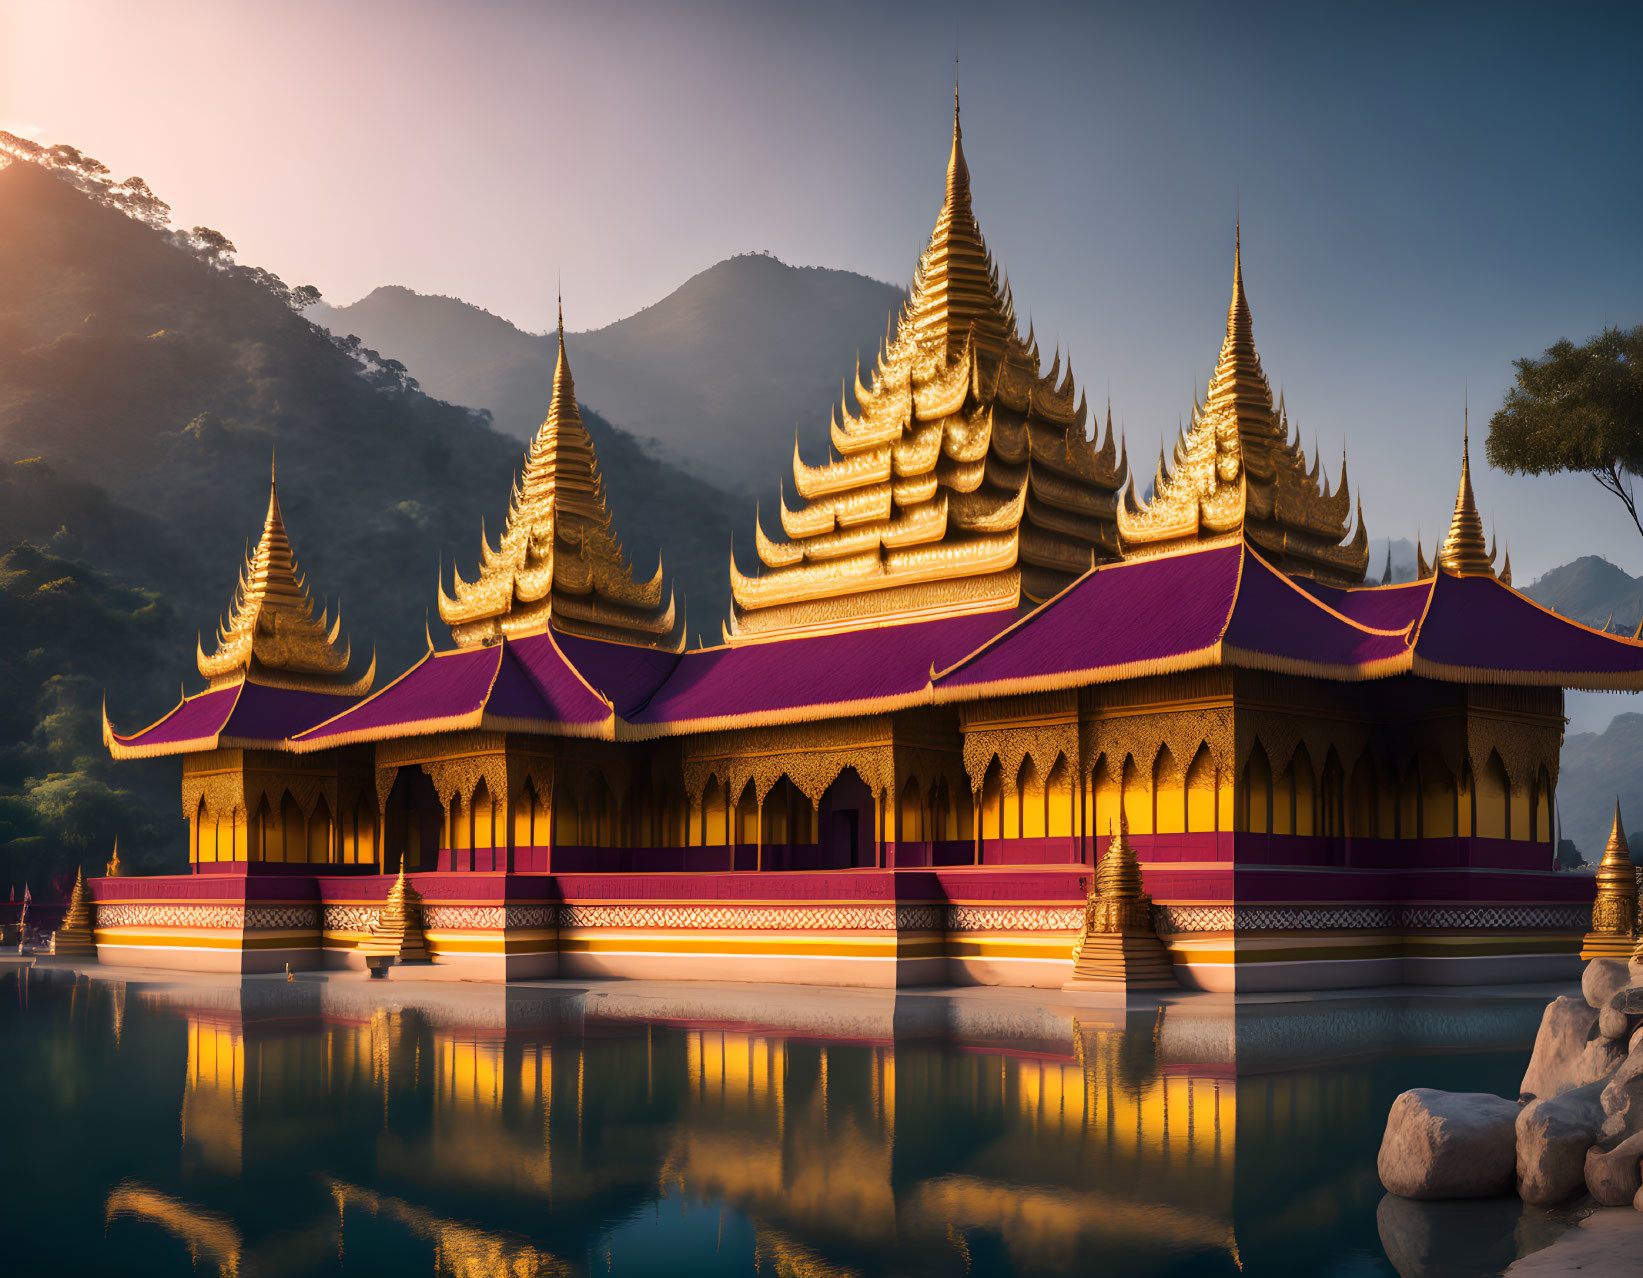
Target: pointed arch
pixel 320 833
pixel 484 825
pixel 293 830
pixel 910 813
pixel 715 825
pixel 1136 797
pixel 1105 791
pixel 747 816
pixel 205 834
pixel 1543 806
pixel 1257 805
pixel 1059 801
pixel 992 801
pixel 1331 819
pixel 1409 801
pixel 1494 799
pixel 1201 792
pixel 1440 793
pixel 1364 804
pixel 1466 801
pixel 1169 793
pixel 1029 793
pixel 525 805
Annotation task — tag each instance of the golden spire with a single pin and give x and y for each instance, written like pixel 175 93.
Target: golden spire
pixel 272 636
pixel 74 933
pixel 1239 474
pixel 115 868
pixel 397 933
pixel 559 559
pixel 964 480
pixel 1464 552
pixel 1614 913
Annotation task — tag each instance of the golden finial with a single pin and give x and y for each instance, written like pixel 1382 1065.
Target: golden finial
pixel 115 869
pixel 1386 574
pixel 272 634
pixel 1506 565
pixel 1463 551
pixel 1614 912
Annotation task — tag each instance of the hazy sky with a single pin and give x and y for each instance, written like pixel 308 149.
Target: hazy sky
pixel 1426 191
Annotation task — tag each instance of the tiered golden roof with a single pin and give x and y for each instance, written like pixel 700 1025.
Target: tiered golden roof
pixel 1238 474
pixel 964 483
pixel 74 933
pixel 272 636
pixel 1463 551
pixel 559 559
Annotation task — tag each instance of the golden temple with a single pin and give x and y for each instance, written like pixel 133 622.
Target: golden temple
pixel 559 559
pixel 971 651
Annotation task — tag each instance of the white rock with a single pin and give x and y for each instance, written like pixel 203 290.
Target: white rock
pixel 1615 1175
pixel 1449 1144
pixel 1567 1052
pixel 1553 1136
pixel 1602 978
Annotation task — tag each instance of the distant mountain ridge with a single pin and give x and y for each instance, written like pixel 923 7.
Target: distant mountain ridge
pixel 1593 591
pixel 721 373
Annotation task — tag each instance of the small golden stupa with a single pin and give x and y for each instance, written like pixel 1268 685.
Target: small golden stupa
pixel 74 939
pixel 1117 949
pixel 398 932
pixel 1614 913
pixel 115 868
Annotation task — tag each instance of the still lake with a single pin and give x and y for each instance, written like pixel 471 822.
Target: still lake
pixel 162 1124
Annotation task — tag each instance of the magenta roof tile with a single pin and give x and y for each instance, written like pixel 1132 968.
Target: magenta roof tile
pixel 624 673
pixel 1378 607
pixel 787 680
pixel 440 692
pixel 1478 629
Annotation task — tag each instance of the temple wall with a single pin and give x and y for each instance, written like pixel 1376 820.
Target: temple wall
pixel 1236 912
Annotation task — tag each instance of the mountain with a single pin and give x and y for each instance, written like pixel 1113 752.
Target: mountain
pixel 1596 769
pixel 1594 591
pixel 143 386
pixel 719 373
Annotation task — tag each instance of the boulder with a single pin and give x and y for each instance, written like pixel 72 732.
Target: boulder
pixel 1449 1144
pixel 1622 1014
pixel 1623 1099
pixel 1553 1136
pixel 1602 979
pixel 1567 1054
pixel 1614 1172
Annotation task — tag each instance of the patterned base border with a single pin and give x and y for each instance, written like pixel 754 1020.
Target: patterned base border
pixel 1181 919
pixel 247 917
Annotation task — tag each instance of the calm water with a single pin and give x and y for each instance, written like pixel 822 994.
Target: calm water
pixel 266 1127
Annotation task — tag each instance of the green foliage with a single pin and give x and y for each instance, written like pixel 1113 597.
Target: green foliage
pixel 1577 408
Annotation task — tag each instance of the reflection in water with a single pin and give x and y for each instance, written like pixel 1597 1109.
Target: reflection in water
pixel 544 1133
pixel 208 1236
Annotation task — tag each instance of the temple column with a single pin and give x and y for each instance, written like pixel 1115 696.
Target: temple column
pixel 975 822
pixel 758 829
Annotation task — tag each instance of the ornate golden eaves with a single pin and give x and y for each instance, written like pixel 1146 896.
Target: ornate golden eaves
pixel 271 634
pixel 1237 473
pixel 558 560
pixel 962 481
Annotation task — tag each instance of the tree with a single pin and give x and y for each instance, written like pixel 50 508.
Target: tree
pixel 1577 408
pixel 213 246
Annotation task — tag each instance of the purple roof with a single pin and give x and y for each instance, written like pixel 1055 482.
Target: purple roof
pixel 242 713
pixel 440 692
pixel 624 673
pixel 788 680
pixel 1477 627
pixel 1125 619
pixel 537 667
pixel 522 684
pixel 275 714
pixel 1282 627
pixel 1378 607
pixel 193 724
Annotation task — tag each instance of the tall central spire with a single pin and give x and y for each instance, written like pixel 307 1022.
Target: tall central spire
pixel 559 560
pixel 963 482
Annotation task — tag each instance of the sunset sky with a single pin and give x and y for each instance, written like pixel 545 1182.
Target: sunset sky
pixel 1426 191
